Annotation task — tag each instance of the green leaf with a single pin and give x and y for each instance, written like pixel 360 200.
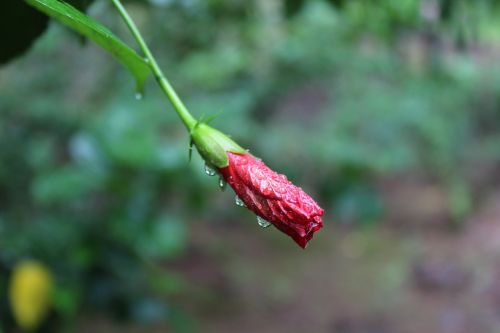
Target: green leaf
pixel 293 7
pixel 19 26
pixel 78 21
pixel 28 23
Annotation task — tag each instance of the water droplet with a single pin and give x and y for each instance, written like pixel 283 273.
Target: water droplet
pixel 209 171
pixel 138 96
pixel 222 183
pixel 307 208
pixel 239 202
pixel 281 190
pixel 146 60
pixel 263 223
pixel 266 188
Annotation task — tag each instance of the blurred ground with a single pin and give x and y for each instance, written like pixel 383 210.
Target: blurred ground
pixel 375 280
pixel 348 281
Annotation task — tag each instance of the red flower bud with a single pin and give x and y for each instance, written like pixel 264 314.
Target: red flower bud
pixel 268 194
pixel 273 197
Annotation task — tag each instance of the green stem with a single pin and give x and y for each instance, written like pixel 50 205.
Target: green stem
pixel 167 88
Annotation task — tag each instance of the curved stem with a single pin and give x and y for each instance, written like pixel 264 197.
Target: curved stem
pixel 186 117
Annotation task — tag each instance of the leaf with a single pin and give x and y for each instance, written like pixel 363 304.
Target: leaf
pixel 64 185
pixel 28 24
pixel 19 26
pixel 337 3
pixel 293 7
pixel 78 21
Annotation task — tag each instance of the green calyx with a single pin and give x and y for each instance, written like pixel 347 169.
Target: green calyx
pixel 213 145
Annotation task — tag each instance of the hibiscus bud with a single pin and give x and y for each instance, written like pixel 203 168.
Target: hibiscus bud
pixel 271 196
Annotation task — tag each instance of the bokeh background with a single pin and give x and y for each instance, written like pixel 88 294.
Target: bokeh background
pixel 387 112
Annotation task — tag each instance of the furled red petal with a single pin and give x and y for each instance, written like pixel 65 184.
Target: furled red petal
pixel 273 197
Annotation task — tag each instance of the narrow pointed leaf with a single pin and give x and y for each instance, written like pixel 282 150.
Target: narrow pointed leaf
pixel 83 24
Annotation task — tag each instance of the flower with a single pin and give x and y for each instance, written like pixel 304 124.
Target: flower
pixel 268 194
pixel 273 197
pixel 30 293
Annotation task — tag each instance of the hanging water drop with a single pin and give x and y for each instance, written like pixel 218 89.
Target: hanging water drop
pixel 138 96
pixel 263 223
pixel 222 184
pixel 239 202
pixel 209 171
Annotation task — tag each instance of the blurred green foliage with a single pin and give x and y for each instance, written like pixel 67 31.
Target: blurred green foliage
pixel 98 186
